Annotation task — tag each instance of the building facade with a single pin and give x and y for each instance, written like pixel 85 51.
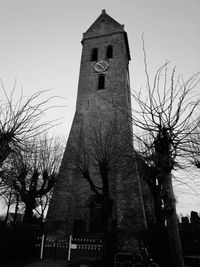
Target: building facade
pixel 102 122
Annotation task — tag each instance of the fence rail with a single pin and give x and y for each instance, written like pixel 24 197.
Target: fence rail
pixel 69 248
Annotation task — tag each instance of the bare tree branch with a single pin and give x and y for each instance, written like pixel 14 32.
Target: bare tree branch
pixel 33 172
pixel 21 119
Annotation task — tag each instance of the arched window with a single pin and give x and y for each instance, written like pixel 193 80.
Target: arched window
pixel 94 54
pixel 101 82
pixel 109 52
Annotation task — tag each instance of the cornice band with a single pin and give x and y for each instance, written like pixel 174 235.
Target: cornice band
pixel 102 35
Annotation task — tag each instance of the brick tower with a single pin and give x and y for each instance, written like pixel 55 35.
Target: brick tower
pixel 103 102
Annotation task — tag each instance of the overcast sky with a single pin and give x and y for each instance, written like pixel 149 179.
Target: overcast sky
pixel 40 46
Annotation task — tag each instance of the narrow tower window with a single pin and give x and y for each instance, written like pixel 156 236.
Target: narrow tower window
pixel 101 82
pixel 109 52
pixel 94 55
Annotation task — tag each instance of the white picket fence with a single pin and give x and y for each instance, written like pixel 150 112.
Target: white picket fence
pixel 91 244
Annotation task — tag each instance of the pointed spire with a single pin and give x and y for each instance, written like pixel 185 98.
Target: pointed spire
pixel 104 24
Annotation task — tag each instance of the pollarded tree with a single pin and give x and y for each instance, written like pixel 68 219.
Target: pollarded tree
pixel 96 157
pixel 20 119
pixel 33 171
pixel 165 116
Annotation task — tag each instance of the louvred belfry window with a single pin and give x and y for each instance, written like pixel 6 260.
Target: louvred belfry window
pixel 109 51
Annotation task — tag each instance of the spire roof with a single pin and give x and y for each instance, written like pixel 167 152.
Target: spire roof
pixel 104 24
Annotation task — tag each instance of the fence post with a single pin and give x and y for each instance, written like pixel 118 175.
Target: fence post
pixel 42 247
pixel 69 248
pixel 55 249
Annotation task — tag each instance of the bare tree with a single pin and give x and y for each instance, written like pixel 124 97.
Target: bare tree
pixel 42 205
pixel 20 119
pixel 97 156
pixel 165 115
pixel 33 171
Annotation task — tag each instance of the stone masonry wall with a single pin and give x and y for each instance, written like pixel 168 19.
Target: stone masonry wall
pixel 94 109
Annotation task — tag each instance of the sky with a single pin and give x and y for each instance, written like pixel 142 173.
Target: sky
pixel 41 47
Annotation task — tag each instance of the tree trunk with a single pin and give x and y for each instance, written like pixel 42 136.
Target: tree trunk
pixel 107 213
pixel 8 207
pixel 16 209
pixel 28 213
pixel 5 150
pixel 107 203
pixel 160 218
pixel 172 222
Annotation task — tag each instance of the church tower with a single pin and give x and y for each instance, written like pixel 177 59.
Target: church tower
pixel 103 104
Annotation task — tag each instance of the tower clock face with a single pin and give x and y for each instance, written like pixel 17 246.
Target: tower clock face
pixel 101 66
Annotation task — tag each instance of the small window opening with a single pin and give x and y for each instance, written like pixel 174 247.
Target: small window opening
pixel 109 52
pixel 94 55
pixel 101 82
